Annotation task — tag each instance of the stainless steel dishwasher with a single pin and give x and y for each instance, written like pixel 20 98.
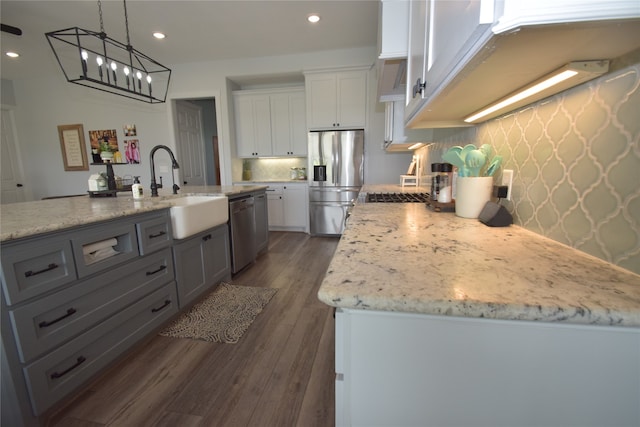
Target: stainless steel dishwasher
pixel 243 231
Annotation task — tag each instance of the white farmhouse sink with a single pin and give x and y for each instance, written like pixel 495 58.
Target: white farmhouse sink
pixel 193 214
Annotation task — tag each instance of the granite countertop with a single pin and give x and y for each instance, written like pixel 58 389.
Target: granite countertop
pixel 405 258
pixel 18 220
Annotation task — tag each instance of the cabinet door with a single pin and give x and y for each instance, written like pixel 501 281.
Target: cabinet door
pixel 216 255
pixel 275 205
pixel 298 124
pixel 351 99
pixel 262 123
pixel 416 61
pixel 243 111
pixel 453 29
pixel 281 124
pixel 321 92
pixel 296 205
pixel 253 125
pixel 188 259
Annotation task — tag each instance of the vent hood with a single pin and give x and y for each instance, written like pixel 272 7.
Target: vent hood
pixel 396 136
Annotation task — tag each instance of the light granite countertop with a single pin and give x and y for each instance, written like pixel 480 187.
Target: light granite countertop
pixel 403 257
pixel 19 220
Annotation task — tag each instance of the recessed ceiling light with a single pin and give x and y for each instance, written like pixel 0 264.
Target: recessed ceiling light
pixel 158 35
pixel 12 54
pixel 313 18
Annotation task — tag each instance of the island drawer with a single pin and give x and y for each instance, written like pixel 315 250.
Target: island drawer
pixel 154 234
pixel 60 372
pixel 48 322
pixel 33 267
pixel 113 243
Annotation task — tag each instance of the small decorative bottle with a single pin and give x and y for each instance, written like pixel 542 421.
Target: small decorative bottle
pixel 136 188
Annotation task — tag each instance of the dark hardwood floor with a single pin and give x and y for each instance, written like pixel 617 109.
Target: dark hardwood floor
pixel 280 373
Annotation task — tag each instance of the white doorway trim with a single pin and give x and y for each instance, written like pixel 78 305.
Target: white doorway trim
pixel 223 135
pixel 19 188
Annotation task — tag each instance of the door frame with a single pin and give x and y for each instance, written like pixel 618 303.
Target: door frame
pixel 224 159
pixel 16 155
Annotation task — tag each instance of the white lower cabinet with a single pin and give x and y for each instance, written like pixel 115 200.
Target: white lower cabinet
pixel 288 206
pixel 405 369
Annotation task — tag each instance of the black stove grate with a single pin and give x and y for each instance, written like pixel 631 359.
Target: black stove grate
pixel 397 197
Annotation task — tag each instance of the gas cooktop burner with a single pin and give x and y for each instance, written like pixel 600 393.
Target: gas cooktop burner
pixel 397 197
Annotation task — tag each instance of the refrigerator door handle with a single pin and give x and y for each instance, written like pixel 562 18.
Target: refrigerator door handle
pixel 336 159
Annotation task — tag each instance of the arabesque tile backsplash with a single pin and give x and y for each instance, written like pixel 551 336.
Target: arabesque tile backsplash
pixel 576 162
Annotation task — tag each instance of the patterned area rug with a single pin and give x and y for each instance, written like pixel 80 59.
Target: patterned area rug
pixel 223 316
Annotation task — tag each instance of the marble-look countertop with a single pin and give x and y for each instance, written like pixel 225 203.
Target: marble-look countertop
pixel 403 257
pixel 19 220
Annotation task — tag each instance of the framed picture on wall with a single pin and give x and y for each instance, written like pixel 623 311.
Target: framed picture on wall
pixel 74 152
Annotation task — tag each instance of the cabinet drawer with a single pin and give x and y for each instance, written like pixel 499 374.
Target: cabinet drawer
pixel 34 267
pixel 44 324
pixel 60 372
pixel 154 234
pixel 121 234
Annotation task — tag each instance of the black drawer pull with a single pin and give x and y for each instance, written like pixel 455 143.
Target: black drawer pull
pixel 79 362
pixel 44 323
pixel 207 237
pixel 50 267
pixel 151 273
pixel 159 234
pixel 166 303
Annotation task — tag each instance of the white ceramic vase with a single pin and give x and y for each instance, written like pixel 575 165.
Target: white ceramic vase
pixel 472 193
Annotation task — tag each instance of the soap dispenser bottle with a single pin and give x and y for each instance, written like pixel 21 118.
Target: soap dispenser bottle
pixel 136 188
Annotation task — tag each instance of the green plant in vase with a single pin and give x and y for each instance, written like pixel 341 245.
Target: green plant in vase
pixel 105 152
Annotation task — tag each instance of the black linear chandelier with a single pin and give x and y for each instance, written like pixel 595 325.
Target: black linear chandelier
pixel 92 59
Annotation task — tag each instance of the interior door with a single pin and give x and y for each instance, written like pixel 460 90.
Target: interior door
pixel 12 187
pixel 190 143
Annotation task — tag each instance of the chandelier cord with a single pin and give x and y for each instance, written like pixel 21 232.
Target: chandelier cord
pixel 126 22
pixel 100 13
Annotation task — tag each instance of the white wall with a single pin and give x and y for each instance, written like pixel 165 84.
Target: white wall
pixel 46 102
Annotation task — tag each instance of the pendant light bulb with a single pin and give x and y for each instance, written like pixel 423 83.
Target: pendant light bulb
pixel 148 78
pixel 114 66
pixel 139 75
pixel 99 61
pixel 84 55
pixel 126 71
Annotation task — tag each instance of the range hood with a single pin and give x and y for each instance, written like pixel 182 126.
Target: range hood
pixel 396 136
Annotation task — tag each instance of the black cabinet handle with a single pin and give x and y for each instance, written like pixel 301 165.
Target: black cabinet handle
pixel 207 237
pixel 45 324
pixel 151 273
pixel 79 362
pixel 166 303
pixel 419 87
pixel 50 267
pixel 161 233
pixel 19 185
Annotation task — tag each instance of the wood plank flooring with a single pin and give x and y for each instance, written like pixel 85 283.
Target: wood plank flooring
pixel 280 373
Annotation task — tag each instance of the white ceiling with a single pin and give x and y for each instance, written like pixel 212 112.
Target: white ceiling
pixel 196 30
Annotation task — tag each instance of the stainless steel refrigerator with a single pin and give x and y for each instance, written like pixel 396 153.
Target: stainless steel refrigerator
pixel 335 174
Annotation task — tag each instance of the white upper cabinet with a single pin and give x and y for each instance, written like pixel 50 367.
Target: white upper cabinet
pixel 270 123
pixel 464 55
pixel 441 33
pixel 336 99
pixel 253 125
pixel 288 124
